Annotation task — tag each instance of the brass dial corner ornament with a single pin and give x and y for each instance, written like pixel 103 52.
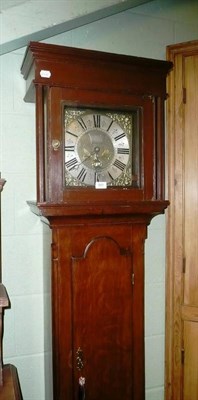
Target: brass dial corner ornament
pixel 98 148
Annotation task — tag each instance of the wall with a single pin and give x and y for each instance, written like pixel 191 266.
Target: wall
pixel 143 31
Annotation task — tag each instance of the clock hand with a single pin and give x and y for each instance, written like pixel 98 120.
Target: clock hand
pixel 96 161
pixel 94 153
pixel 76 166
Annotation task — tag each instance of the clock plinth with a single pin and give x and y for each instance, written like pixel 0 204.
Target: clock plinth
pixel 100 181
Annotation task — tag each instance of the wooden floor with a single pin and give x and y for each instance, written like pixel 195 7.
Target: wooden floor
pixel 10 389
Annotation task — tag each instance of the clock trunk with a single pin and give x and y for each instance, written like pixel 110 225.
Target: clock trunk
pixel 98 310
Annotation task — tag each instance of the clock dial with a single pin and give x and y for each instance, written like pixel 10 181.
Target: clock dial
pixel 97 148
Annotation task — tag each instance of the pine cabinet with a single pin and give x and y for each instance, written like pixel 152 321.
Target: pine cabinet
pixel 182 234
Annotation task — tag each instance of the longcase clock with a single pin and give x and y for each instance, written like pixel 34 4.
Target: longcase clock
pixel 100 181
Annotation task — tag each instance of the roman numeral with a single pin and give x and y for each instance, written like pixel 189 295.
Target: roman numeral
pixel 82 174
pixel 69 148
pixel 96 177
pixel 119 136
pixel 110 125
pixel 120 165
pixel 110 175
pixel 71 133
pixel 71 163
pixel 82 124
pixel 121 150
pixel 96 118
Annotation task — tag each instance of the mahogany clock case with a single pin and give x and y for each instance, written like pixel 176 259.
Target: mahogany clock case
pixel 98 235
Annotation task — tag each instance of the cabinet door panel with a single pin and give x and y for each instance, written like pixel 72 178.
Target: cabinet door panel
pixel 191 182
pixel 190 360
pixel 102 320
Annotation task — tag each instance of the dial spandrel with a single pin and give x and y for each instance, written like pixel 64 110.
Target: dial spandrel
pixel 98 148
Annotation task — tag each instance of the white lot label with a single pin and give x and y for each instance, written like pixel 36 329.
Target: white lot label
pixel 45 74
pixel 101 185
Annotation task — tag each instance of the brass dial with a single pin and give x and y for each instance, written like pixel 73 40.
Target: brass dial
pixel 97 149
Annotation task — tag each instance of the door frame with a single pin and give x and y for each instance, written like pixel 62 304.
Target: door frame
pixel 175 259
